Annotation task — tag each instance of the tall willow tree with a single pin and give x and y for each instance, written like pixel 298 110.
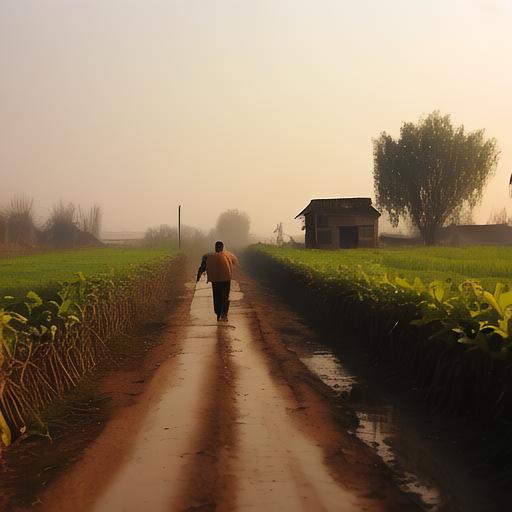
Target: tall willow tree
pixel 431 172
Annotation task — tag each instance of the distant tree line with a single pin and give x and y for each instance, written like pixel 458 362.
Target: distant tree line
pixel 499 217
pixel 232 227
pixel 67 226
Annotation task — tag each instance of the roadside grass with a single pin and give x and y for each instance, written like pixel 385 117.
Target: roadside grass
pixel 45 272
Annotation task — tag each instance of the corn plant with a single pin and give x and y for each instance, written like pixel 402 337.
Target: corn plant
pixel 453 337
pixel 48 345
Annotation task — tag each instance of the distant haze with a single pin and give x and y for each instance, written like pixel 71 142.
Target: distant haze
pixel 215 104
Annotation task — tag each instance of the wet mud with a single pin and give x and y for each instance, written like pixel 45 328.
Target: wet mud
pixel 415 446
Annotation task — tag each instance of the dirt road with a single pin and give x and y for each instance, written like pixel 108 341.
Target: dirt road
pixel 227 423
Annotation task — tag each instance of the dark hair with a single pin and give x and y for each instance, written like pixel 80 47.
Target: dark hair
pixel 219 245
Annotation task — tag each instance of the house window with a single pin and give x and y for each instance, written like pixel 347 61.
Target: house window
pixel 321 221
pixel 324 237
pixel 366 231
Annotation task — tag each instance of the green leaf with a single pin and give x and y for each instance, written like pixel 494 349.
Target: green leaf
pixel 34 299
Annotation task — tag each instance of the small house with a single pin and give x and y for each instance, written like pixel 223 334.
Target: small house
pixel 345 223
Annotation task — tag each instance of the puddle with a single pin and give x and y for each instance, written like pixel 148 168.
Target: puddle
pixel 379 425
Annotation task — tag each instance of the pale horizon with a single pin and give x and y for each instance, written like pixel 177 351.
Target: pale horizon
pixel 259 106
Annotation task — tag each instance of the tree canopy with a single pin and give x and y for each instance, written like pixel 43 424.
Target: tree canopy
pixel 431 172
pixel 233 228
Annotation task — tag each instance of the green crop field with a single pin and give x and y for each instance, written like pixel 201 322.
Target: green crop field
pixel 464 293
pixel 489 265
pixel 58 313
pixel 45 272
pixel 443 314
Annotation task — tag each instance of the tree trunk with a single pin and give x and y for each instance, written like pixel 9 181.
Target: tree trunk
pixel 429 235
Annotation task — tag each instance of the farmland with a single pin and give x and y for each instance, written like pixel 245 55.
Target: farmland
pixel 441 314
pixel 58 312
pixel 487 264
pixel 54 338
pixel 44 272
pixel 88 300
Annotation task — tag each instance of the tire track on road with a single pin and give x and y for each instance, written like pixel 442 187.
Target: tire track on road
pixel 154 473
pixel 208 483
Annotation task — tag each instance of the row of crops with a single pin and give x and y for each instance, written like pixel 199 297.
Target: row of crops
pixel 443 314
pixel 58 312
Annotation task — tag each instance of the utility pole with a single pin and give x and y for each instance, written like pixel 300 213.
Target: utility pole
pixel 179 226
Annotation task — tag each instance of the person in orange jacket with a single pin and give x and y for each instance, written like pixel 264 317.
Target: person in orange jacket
pixel 218 266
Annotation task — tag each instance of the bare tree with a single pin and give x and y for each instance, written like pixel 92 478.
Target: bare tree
pixel 90 221
pixel 498 217
pixel 20 226
pixel 3 227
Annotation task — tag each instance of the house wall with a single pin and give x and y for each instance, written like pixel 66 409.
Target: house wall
pixel 367 228
pixel 310 224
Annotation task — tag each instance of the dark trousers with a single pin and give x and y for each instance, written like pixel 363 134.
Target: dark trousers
pixel 221 297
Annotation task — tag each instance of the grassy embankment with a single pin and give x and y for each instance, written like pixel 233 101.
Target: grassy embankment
pixel 424 309
pixel 58 313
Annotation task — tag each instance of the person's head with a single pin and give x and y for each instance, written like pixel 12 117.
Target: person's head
pixel 219 246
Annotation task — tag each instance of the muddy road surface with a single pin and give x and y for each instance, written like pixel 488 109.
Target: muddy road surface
pixel 233 419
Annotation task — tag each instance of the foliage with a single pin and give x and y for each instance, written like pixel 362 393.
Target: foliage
pixel 468 314
pixel 65 226
pixel 233 228
pixel 67 222
pixel 431 172
pixel 62 224
pixel 166 236
pixel 452 335
pixel 162 234
pixel 20 225
pixel 62 214
pixel 48 344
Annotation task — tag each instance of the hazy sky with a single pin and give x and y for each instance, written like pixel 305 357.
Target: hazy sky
pixel 258 105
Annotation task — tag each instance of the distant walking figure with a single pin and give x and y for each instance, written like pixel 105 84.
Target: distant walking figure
pixel 218 266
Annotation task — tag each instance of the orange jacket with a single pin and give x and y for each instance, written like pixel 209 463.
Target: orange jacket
pixel 219 266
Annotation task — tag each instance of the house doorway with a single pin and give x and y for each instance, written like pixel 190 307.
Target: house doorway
pixel 349 237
